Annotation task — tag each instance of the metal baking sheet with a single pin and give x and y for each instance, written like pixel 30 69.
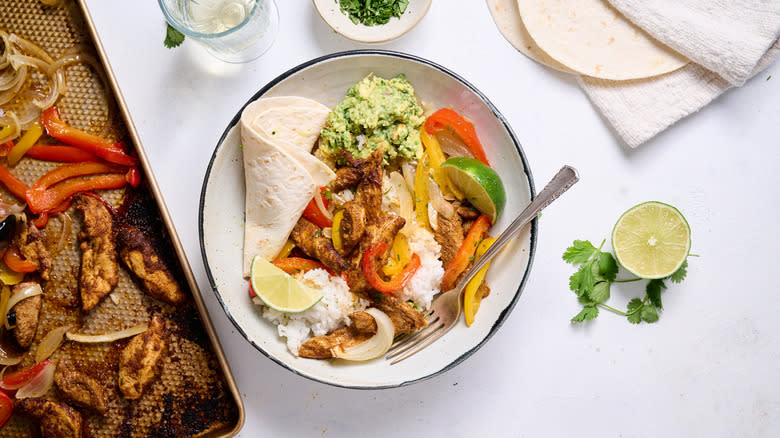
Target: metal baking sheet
pixel 195 394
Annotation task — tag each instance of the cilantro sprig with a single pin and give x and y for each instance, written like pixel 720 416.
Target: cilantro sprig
pixel 598 271
pixel 173 38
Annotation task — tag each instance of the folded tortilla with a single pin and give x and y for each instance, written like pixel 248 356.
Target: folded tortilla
pixel 281 174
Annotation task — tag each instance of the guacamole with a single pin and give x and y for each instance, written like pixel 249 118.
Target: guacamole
pixel 376 113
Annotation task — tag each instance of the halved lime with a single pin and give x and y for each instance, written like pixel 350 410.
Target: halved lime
pixel 278 290
pixel 651 240
pixel 480 184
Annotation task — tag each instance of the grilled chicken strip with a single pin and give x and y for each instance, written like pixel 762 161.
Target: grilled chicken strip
pixel 383 230
pixel 353 225
pixel 448 234
pixel 138 254
pixel 56 420
pixel 346 178
pixel 80 388
pixel 309 238
pixel 27 313
pixel 139 362
pixel 361 328
pixel 99 269
pixel 31 246
pixel 369 190
pixel 405 318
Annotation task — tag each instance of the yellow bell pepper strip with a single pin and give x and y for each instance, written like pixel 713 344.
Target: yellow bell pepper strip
pixel 421 197
pixel 471 299
pixel 437 157
pixel 24 144
pixel 286 249
pixel 466 250
pixel 336 230
pixel 396 282
pixel 9 277
pixel 400 254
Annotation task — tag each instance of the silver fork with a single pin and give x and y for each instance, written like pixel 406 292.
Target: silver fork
pixel 446 308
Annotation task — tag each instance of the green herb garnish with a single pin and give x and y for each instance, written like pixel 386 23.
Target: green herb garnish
pixel 372 12
pixel 173 38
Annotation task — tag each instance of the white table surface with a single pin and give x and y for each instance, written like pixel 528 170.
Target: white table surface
pixel 708 368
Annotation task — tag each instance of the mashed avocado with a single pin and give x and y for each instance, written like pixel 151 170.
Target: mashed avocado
pixel 377 113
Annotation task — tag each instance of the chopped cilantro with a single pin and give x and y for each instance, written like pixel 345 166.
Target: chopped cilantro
pixel 372 13
pixel 173 38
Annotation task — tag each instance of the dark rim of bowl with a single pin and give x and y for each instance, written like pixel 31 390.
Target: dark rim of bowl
pixel 534 224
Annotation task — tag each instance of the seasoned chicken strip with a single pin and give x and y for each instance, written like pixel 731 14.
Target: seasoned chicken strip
pixel 369 190
pixel 80 388
pixel 448 234
pixel 99 269
pixel 56 420
pixel 27 313
pixel 346 178
pixel 140 257
pixel 361 328
pixel 139 362
pixel 383 230
pixel 405 318
pixel 353 225
pixel 308 237
pixel 30 243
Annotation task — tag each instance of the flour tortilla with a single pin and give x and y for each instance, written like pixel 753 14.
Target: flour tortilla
pixel 507 18
pixel 594 39
pixel 281 174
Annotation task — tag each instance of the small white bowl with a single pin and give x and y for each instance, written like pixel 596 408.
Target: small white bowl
pixel 331 13
pixel 326 80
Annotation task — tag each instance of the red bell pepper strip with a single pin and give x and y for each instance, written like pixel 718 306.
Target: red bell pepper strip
pixel 446 118
pixel 74 170
pixel 111 152
pixel 6 408
pixel 43 218
pixel 14 260
pixel 17 379
pixel 45 200
pixel 16 187
pixel 133 177
pixel 6 147
pixel 60 154
pixel 465 252
pixel 314 214
pixel 370 270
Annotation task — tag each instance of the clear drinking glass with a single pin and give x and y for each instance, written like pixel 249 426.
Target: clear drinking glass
pixel 231 30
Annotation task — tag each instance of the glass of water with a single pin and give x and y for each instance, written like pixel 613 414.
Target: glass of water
pixel 231 30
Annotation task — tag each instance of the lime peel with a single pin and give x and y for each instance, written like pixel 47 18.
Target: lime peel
pixel 480 184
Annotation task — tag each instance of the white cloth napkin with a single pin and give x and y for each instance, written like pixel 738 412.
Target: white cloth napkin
pixel 728 41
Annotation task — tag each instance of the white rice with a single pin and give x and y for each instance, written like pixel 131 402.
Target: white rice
pixel 324 317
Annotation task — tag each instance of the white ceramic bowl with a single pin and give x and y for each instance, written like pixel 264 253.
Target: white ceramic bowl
pixel 331 13
pixel 326 79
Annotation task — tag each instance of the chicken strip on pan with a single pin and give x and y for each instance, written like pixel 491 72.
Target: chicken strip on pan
pixel 26 313
pixel 141 258
pixel 361 328
pixel 308 237
pixel 81 389
pixel 99 269
pixel 140 361
pixel 30 243
pixel 56 420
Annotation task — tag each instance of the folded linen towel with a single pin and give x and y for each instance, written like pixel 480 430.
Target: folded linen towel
pixel 729 41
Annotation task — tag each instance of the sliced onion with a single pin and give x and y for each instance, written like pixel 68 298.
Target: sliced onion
pixel 8 78
pixel 108 337
pixel 18 61
pixel 39 385
pixel 408 169
pixel 452 145
pixel 7 95
pixel 442 207
pixel 30 48
pixel 54 93
pixel 64 232
pixel 321 206
pixel 433 217
pixel 50 343
pixel 327 232
pixel 27 290
pixel 404 197
pixel 115 298
pixel 375 346
pixel 6 359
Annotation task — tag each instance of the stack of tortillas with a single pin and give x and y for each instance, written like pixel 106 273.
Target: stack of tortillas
pixel 633 55
pixel 282 176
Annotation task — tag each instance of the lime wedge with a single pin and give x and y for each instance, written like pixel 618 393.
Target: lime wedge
pixel 278 290
pixel 651 240
pixel 480 184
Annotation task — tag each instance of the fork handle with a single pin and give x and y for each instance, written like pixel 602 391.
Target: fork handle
pixel 562 181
